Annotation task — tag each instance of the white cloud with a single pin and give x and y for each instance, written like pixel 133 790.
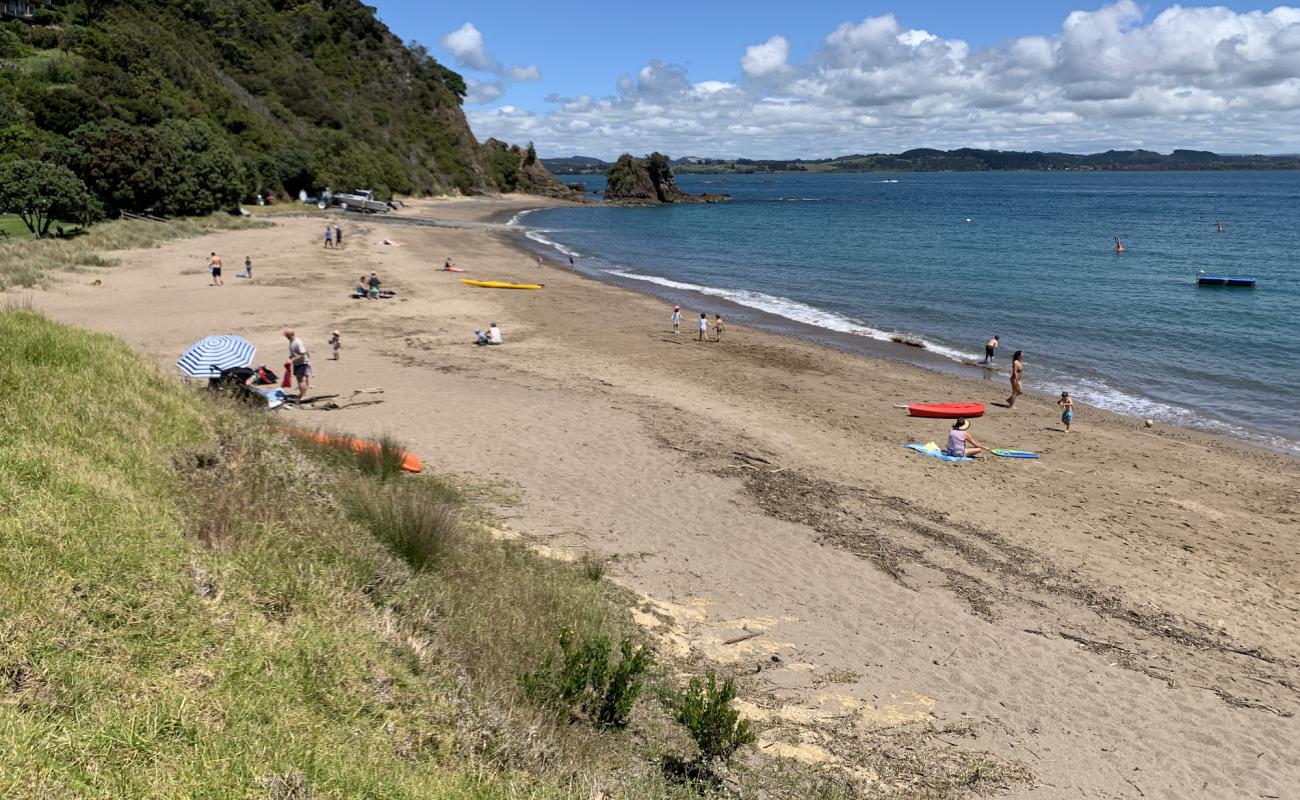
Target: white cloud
pixel 466 46
pixel 766 58
pixel 468 50
pixel 517 73
pixel 1204 77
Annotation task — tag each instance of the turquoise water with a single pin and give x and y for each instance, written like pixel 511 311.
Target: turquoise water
pixel 876 255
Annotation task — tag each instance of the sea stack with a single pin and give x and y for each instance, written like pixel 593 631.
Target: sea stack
pixel 648 182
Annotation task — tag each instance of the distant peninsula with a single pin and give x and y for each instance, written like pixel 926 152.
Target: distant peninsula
pixel 961 160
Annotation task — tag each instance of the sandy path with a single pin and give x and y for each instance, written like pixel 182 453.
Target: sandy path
pixel 1119 616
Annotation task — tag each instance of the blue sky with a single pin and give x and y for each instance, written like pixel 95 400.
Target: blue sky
pixel 600 78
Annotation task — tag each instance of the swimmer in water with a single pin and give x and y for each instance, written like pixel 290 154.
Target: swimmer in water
pixel 1119 248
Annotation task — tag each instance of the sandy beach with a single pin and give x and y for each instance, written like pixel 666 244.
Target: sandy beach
pixel 1120 616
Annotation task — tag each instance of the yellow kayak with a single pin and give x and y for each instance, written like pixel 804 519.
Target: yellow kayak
pixel 500 285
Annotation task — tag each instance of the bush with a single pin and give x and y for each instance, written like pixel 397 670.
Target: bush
pixel 704 709
pixel 408 517
pixel 583 683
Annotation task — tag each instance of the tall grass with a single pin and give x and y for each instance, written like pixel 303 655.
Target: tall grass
pixel 413 519
pixel 34 262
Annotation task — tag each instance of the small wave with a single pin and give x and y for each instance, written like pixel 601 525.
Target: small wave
pixel 1100 394
pixel 889 181
pixel 793 199
pixel 515 221
pixel 539 235
pixel 780 306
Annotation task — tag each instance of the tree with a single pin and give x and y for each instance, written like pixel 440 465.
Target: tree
pixel 200 173
pixel 118 162
pixel 40 192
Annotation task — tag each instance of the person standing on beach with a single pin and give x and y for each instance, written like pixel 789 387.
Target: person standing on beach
pixel 214 264
pixel 336 344
pixel 704 327
pixel 248 267
pixel 1067 410
pixel 329 237
pixel 338 236
pixel 299 362
pixel 1016 389
pixel 677 318
pixel 990 347
pixel 717 327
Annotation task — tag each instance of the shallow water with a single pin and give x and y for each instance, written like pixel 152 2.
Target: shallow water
pixel 878 255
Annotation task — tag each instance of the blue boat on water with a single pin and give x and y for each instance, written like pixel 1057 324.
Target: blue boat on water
pixel 1223 280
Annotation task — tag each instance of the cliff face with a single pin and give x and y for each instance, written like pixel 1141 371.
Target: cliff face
pixel 518 169
pixel 302 95
pixel 647 182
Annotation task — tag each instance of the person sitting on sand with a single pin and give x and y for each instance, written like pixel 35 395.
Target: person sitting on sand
pixel 374 286
pixel 961 443
pixel 361 289
pixel 481 337
pixel 494 334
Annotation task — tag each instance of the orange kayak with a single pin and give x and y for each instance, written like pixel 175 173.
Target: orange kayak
pixel 410 461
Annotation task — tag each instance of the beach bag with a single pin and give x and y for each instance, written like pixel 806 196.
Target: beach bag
pixel 265 377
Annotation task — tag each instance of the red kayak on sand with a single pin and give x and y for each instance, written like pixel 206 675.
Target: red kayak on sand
pixel 946 410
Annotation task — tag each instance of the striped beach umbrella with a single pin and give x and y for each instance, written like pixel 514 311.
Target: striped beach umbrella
pixel 207 357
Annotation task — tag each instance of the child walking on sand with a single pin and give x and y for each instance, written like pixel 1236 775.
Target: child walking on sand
pixel 336 344
pixel 677 318
pixel 1067 410
pixel 717 327
pixel 704 327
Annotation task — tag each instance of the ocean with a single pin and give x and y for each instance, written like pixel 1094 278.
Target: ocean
pixel 952 259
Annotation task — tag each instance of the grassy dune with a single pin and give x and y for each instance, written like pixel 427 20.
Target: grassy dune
pixel 193 606
pixel 26 262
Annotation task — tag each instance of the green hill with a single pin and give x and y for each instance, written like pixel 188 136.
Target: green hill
pixel 187 106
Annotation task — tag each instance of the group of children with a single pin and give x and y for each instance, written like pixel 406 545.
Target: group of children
pixel 703 325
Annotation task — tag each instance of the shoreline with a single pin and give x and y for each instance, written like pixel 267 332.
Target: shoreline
pixel 868 346
pixel 1091 607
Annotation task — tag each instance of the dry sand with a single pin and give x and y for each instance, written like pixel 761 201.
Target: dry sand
pixel 1120 616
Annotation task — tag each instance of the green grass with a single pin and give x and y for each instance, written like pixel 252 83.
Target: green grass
pixel 29 262
pixel 190 607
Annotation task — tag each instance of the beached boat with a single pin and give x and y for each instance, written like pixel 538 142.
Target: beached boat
pixel 500 284
pixel 946 410
pixel 1224 280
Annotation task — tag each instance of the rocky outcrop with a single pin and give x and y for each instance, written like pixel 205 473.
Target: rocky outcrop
pixel 512 168
pixel 648 182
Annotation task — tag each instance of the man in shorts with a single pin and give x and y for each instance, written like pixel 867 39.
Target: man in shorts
pixel 214 264
pixel 990 348
pixel 299 362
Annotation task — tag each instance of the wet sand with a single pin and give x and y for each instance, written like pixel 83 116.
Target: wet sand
pixel 1119 616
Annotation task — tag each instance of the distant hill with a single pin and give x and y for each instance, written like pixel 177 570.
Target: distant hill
pixel 924 159
pixel 969 159
pixel 578 165
pixel 147 100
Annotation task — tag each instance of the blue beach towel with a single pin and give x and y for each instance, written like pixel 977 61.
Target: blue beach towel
pixel 933 451
pixel 274 397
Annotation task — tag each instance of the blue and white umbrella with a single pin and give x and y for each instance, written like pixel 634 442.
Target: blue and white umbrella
pixel 208 357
